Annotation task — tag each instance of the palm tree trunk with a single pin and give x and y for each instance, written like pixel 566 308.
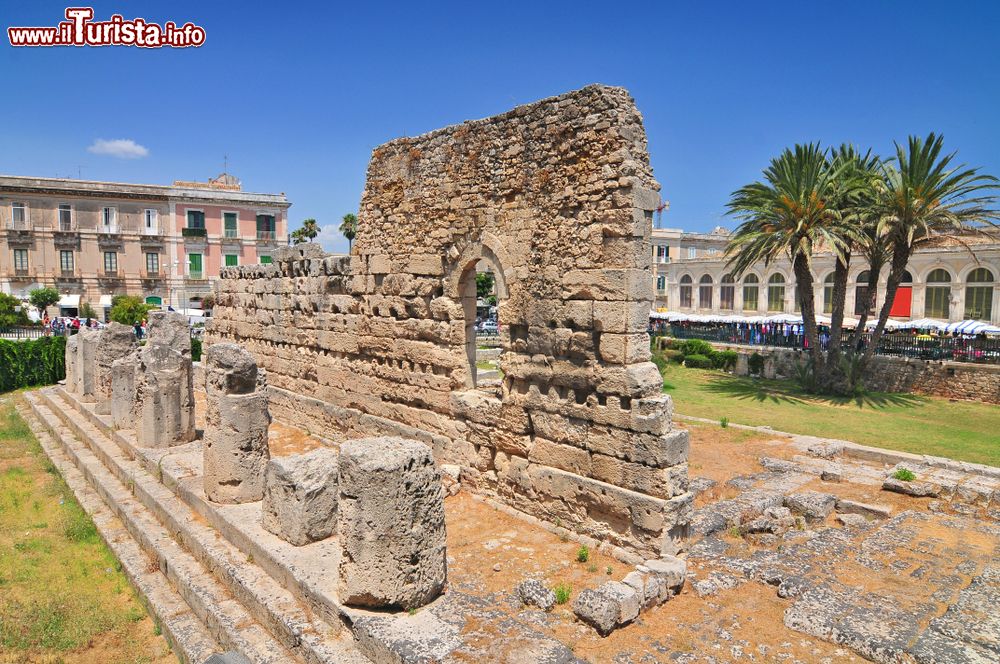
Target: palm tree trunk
pixel 833 374
pixel 807 303
pixel 900 257
pixel 871 297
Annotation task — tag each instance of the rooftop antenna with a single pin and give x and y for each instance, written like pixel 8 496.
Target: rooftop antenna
pixel 79 172
pixel 225 163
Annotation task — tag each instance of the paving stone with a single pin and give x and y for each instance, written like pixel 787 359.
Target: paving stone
pixel 813 505
pixel 914 488
pixel 845 506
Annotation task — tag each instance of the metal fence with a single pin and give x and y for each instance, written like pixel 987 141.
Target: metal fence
pixel 957 349
pixel 21 332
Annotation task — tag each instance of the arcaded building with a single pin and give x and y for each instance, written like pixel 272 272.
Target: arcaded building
pixel 167 244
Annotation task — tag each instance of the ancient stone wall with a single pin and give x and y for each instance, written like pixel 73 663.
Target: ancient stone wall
pixel 557 197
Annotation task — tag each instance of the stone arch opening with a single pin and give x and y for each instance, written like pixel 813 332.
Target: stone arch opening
pixel 481 288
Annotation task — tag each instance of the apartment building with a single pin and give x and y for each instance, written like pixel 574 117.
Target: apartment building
pixel 671 245
pixel 166 244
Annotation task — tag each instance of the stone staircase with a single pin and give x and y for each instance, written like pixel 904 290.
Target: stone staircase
pixel 195 570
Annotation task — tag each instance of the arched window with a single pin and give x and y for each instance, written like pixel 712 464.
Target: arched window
pixel 828 294
pixel 861 295
pixel 979 294
pixel 750 292
pixel 705 292
pixel 937 295
pixel 776 293
pixel 727 292
pixel 686 299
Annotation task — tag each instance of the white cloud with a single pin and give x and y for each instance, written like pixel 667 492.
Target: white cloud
pixel 331 239
pixel 123 148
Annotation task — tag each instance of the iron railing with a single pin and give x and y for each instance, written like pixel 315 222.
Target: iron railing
pixel 957 349
pixel 20 332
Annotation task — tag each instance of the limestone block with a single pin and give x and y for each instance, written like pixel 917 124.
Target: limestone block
pixel 85 369
pixel 534 593
pixel 742 365
pixel 671 569
pixel 164 397
pixel 608 607
pixel 123 391
pixel 390 524
pixel 169 328
pixel 72 355
pixel 115 342
pixel 300 496
pixel 813 505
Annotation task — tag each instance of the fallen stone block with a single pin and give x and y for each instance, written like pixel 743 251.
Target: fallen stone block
pixel 852 520
pixel 864 509
pixel 914 488
pixel 813 505
pixel 534 593
pixel 825 450
pixel 774 520
pixel 390 524
pixel 608 607
pixel 831 476
pixel 671 569
pixel 778 465
pixel 300 496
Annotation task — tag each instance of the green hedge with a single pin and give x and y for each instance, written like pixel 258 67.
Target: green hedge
pixel 30 363
pixel 195 350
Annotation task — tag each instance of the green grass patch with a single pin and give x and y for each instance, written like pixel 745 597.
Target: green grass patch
pixel 62 593
pixel 904 474
pixel 563 592
pixel 963 430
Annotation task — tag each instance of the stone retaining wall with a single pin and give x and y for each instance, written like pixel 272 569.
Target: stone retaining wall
pixel 558 197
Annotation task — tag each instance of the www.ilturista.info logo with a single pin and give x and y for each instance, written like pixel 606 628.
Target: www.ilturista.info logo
pixel 80 30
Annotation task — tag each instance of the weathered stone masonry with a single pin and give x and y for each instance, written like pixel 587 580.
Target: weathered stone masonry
pixel 558 197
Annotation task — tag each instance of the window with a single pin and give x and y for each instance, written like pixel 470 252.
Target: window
pixel 265 260
pixel 109 216
pixel 66 261
pixel 265 226
pixel 692 252
pixel 230 220
pixel 110 262
pixel 194 266
pixel 149 217
pixel 661 283
pixel 979 294
pixel 152 263
pixel 18 215
pixel 21 260
pixel 686 298
pixel 861 295
pixel 750 293
pixel 727 292
pixel 705 292
pixel 232 259
pixel 937 297
pixel 196 219
pixel 828 294
pixel 776 293
pixel 65 217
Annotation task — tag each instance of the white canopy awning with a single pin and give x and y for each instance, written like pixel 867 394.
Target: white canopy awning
pixel 69 301
pixel 105 301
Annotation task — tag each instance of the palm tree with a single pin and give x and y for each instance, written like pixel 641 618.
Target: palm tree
pixel 788 214
pixel 308 231
pixel 349 229
pixel 922 197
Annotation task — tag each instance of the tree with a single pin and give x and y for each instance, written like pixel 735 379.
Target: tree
pixel 922 196
pixel 484 285
pixel 788 215
pixel 43 298
pixel 349 229
pixel 308 232
pixel 129 309
pixel 11 311
pixel 87 311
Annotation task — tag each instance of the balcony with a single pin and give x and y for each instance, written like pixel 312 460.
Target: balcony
pixel 66 226
pixel 19 225
pixel 67 275
pixel 109 235
pixel 194 232
pixel 110 275
pixel 19 232
pixel 265 236
pixel 151 276
pixel 196 276
pixel 22 274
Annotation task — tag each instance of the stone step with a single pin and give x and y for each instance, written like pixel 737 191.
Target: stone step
pixel 188 637
pixel 252 589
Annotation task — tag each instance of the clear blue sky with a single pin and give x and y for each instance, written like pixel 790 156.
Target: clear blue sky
pixel 298 96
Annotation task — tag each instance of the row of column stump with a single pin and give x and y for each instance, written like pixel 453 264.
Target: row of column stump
pixel 381 497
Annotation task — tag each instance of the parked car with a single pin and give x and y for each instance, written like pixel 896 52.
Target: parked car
pixel 488 326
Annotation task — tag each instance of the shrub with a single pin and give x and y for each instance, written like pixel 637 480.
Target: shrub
pixel 755 363
pixel 724 359
pixel 563 592
pixel 30 363
pixel 672 355
pixel 8 314
pixel 583 554
pixel 129 309
pixel 196 350
pixel 697 361
pixel 724 422
pixel 659 360
pixel 696 347
pixel 904 474
pixel 87 311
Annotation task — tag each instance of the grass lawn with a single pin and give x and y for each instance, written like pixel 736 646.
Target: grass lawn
pixel 63 596
pixel 923 425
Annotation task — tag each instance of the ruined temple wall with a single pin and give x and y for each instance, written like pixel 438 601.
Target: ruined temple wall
pixel 558 196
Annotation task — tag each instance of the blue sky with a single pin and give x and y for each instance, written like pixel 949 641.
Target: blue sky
pixel 299 94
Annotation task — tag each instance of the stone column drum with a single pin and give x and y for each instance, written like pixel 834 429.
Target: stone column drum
pixel 170 328
pixel 390 524
pixel 236 423
pixel 123 372
pixel 85 370
pixel 72 352
pixel 164 399
pixel 300 496
pixel 116 342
